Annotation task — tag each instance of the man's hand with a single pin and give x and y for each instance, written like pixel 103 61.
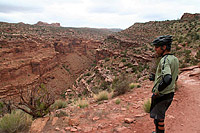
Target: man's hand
pixel 152 77
pixel 155 95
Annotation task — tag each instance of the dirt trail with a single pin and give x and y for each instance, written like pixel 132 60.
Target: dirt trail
pixel 184 114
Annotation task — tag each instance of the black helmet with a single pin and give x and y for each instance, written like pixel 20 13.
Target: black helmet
pixel 163 40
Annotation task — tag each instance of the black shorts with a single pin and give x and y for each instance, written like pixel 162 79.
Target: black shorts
pixel 160 106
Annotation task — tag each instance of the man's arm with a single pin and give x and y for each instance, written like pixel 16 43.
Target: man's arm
pixel 166 80
pixel 166 75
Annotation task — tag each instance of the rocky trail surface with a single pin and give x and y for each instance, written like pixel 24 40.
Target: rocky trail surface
pixel 129 116
pixel 183 116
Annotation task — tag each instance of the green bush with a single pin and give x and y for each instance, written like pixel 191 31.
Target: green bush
pixel 129 65
pixel 138 86
pixel 104 95
pixel 123 60
pixel 1 107
pixel 82 103
pixel 107 59
pixel 132 85
pixel 147 105
pixel 36 102
pixel 117 101
pixel 120 85
pixel 58 104
pixel 61 113
pixel 87 74
pixel 104 85
pixel 15 122
pixel 197 55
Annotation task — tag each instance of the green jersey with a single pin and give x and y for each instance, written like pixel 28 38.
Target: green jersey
pixel 168 64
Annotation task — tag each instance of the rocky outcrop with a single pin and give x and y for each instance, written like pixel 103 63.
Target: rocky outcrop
pixel 40 23
pixel 189 16
pixel 103 53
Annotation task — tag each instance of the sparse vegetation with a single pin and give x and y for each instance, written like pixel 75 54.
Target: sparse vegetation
pixel 132 85
pixel 104 86
pixel 107 59
pixel 120 85
pixel 58 104
pixel 87 74
pixel 61 113
pixel 198 54
pixel 123 60
pixel 138 86
pixel 37 101
pixel 117 101
pixel 103 95
pixel 147 105
pixel 1 107
pixel 15 122
pixel 82 103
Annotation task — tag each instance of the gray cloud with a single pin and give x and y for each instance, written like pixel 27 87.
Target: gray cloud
pixel 95 13
pixel 4 8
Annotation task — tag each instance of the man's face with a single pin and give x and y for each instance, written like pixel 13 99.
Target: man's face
pixel 159 50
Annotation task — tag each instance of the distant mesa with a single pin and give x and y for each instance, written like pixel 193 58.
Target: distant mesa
pixel 189 16
pixel 40 23
pixel 21 23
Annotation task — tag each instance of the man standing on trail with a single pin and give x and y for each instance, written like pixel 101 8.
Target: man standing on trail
pixel 164 81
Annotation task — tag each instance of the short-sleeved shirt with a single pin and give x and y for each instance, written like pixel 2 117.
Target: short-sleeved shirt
pixel 168 64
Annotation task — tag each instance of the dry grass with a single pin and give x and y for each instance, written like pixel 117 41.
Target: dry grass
pixel 82 103
pixel 117 101
pixel 58 104
pixel 15 122
pixel 147 105
pixel 104 95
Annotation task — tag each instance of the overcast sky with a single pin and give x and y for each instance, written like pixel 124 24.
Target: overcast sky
pixel 95 13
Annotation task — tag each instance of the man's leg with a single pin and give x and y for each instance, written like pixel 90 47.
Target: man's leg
pixel 156 125
pixel 159 124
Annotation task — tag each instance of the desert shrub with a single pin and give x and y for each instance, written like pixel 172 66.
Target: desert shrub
pixel 107 59
pixel 177 47
pixel 194 36
pixel 183 65
pixel 187 59
pixel 58 104
pixel 129 65
pixel 104 85
pixel 15 122
pixel 194 61
pixel 180 40
pixel 87 74
pixel 138 86
pixel 82 103
pixel 1 107
pixel 187 52
pixel 123 60
pixel 120 85
pixel 36 101
pixel 61 113
pixel 132 85
pixel 117 101
pixel 89 80
pixel 104 95
pixel 198 55
pixel 147 105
